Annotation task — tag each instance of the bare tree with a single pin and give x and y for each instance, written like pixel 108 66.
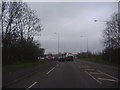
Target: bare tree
pixel 19 25
pixel 112 39
pixel 112 33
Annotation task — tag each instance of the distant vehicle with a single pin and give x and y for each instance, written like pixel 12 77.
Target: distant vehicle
pixel 49 58
pixel 55 58
pixel 61 58
pixel 42 58
pixel 52 57
pixel 70 57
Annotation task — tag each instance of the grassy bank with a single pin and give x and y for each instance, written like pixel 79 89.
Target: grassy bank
pixel 15 67
pixel 100 61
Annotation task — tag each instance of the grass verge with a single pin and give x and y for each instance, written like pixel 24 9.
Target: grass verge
pixel 15 67
pixel 100 61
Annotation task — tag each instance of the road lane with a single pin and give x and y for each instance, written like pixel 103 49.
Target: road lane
pixel 72 75
pixel 67 75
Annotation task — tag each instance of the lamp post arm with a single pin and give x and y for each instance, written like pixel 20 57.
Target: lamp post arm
pixel 100 21
pixel 58 42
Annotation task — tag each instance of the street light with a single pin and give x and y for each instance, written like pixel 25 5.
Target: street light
pixel 58 40
pixel 87 42
pixel 109 38
pixel 99 21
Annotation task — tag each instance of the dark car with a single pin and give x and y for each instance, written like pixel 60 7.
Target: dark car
pixel 61 59
pixel 70 58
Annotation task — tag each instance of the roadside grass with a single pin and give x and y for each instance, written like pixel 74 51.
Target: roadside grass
pixel 100 61
pixel 15 67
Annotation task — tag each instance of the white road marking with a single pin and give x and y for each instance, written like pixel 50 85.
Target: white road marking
pixel 31 85
pixel 108 75
pixel 108 79
pixel 94 73
pixel 94 78
pixel 50 70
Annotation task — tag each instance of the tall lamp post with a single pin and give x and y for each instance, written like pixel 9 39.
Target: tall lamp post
pixel 87 42
pixel 58 41
pixel 109 38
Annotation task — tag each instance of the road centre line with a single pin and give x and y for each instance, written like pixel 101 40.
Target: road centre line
pixel 94 78
pixel 31 85
pixel 50 70
pixel 108 79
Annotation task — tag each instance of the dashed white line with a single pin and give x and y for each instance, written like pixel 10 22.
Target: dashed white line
pixel 50 70
pixel 94 78
pixel 31 85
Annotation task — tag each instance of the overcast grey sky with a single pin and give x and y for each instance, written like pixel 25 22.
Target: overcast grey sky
pixel 71 20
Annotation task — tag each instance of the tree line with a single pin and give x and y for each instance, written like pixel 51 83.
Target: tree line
pixel 111 42
pixel 19 26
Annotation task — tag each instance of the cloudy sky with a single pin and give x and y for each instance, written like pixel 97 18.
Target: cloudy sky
pixel 72 20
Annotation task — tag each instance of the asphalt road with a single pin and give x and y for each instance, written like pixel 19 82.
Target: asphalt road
pixel 77 74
